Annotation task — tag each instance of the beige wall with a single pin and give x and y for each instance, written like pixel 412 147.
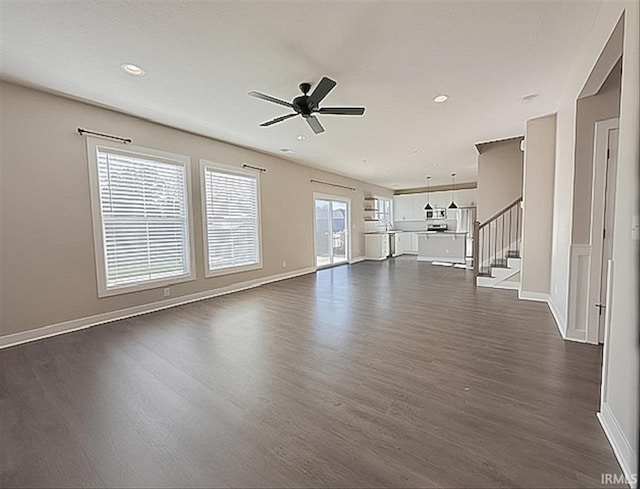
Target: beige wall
pixel 537 215
pixel 621 356
pixel 47 257
pixel 499 177
pixel 605 105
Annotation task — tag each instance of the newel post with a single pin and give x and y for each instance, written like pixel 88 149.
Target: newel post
pixel 476 250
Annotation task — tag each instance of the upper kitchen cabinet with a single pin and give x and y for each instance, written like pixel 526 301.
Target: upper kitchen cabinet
pixel 402 207
pixel 409 207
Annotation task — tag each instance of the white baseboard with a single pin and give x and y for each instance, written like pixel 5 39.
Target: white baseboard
pixel 357 259
pixel 507 284
pixel 107 317
pixel 542 297
pixel 620 445
pixel 562 327
pixel 533 296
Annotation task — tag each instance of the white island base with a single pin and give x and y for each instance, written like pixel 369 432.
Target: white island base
pixel 442 246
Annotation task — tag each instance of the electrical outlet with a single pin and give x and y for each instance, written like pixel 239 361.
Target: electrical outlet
pixel 167 291
pixel 358 251
pixel 284 263
pixel 555 288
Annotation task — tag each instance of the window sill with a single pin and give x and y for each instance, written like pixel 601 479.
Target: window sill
pixel 156 284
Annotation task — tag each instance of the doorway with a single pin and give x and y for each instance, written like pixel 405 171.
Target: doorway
pixel 603 209
pixel 332 218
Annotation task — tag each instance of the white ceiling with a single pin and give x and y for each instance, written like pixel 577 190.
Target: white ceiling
pixel 201 59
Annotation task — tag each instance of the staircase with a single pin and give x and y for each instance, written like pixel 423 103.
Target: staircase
pixel 496 248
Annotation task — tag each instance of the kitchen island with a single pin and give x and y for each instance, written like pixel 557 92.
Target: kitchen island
pixel 447 246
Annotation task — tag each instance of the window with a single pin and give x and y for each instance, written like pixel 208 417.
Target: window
pixel 383 214
pixel 141 213
pixel 231 208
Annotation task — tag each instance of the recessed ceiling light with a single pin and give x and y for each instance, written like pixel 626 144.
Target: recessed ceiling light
pixel 132 69
pixel 440 98
pixel 301 137
pixel 416 151
pixel 529 98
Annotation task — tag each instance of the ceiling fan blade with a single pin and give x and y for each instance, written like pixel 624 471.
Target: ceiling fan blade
pixel 342 110
pixel 269 98
pixel 277 119
pixel 321 90
pixel 315 125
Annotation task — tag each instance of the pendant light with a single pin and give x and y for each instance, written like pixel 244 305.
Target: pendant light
pixel 428 206
pixel 453 192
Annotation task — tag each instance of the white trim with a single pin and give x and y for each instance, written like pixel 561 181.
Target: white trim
pixel 233 170
pixel 562 326
pixel 542 297
pixel 533 296
pixel 331 198
pixel 440 258
pixel 579 306
pixel 601 165
pixel 107 317
pixel 604 383
pixel 620 445
pixel 96 216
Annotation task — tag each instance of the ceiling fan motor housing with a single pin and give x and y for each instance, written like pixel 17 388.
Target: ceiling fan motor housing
pixel 303 106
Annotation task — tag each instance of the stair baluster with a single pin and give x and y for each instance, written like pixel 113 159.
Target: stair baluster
pixel 495 240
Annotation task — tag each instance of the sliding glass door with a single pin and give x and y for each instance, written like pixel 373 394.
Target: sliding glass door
pixel 331 230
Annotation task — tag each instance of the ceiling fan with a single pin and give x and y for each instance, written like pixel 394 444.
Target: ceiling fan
pixel 307 105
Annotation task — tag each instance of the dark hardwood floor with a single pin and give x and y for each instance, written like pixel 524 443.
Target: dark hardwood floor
pixel 373 375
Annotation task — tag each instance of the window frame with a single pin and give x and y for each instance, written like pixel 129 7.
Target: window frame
pixel 93 145
pixel 231 170
pixel 380 212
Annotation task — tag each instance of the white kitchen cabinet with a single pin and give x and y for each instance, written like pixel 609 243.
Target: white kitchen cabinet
pixel 402 208
pixel 406 243
pixel 413 244
pixel 418 201
pixel 376 246
pixel 402 243
pixel 409 207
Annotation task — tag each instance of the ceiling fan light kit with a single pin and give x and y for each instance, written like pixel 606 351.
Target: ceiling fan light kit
pixel 308 105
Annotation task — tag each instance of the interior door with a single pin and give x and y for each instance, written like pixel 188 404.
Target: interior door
pixel 607 234
pixel 331 231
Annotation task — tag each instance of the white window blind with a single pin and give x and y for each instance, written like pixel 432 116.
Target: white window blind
pixel 232 220
pixel 144 218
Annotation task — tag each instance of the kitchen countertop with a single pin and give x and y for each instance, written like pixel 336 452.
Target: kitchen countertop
pixel 439 232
